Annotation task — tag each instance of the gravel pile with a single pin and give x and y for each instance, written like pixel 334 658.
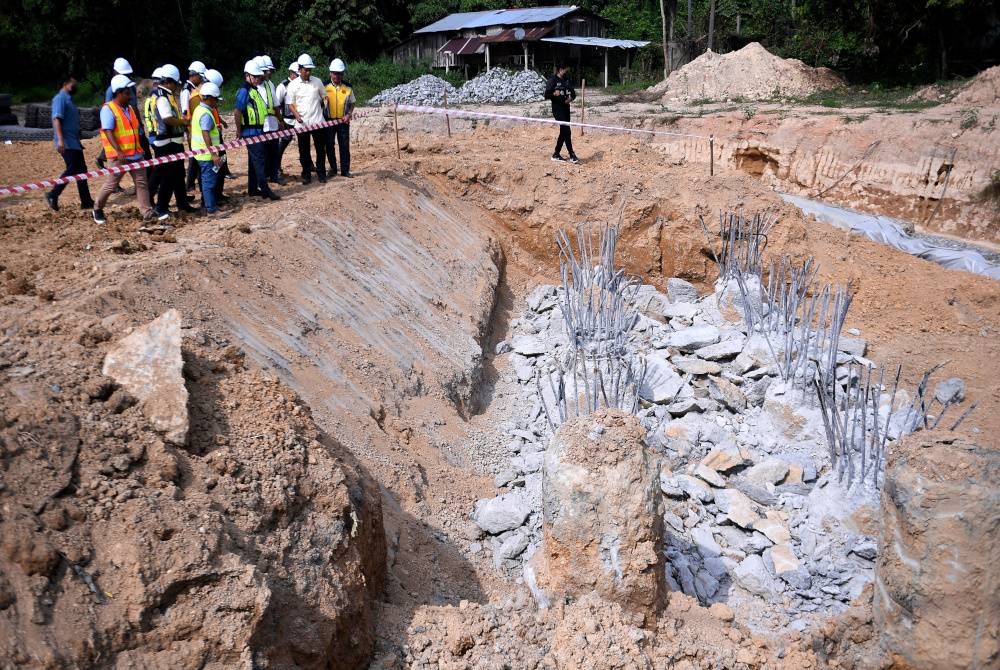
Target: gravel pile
pixel 424 90
pixel 499 85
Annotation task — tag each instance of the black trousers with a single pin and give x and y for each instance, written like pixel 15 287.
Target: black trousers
pixel 193 173
pixel 171 178
pixel 272 159
pixel 565 135
pixel 305 158
pixel 339 135
pixel 75 164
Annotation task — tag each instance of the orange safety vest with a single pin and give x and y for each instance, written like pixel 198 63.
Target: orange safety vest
pixel 126 133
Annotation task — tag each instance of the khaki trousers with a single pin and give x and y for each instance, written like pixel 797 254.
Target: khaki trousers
pixel 111 183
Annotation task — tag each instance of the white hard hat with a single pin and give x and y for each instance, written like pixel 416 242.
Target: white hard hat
pixel 294 67
pixel 337 65
pixel 158 73
pixel 122 66
pixel 253 68
pixel 169 71
pixel 210 89
pixel 198 67
pixel 306 61
pixel 215 77
pixel 266 62
pixel 119 82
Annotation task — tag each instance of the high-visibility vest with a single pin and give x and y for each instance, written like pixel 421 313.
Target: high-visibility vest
pixel 253 115
pixel 163 131
pixel 149 116
pixel 338 97
pixel 197 136
pixel 126 133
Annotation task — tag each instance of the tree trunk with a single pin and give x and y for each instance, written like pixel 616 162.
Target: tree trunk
pixel 943 74
pixel 670 35
pixel 690 30
pixel 666 43
pixel 711 23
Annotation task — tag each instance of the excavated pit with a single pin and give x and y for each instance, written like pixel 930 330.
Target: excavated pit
pixel 380 302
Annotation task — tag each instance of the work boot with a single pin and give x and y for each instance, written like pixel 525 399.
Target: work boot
pixel 50 198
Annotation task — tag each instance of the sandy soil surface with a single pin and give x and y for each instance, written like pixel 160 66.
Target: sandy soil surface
pixel 458 231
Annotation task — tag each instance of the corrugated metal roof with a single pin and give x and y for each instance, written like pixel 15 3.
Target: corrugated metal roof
pixel 530 35
pixel 603 42
pixel 497 17
pixel 463 46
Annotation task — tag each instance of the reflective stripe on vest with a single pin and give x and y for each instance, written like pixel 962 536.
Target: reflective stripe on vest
pixel 197 134
pixel 126 133
pixel 149 114
pixel 163 131
pixel 338 96
pixel 253 115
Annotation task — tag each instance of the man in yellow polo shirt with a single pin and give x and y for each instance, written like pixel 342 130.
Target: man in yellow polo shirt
pixel 341 105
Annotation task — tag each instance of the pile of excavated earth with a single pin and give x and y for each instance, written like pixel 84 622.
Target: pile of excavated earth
pixel 325 432
pixel 496 86
pixel 751 73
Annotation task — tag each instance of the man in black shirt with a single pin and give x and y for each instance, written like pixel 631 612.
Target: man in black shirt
pixel 560 91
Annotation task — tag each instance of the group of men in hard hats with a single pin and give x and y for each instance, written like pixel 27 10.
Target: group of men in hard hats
pixel 176 113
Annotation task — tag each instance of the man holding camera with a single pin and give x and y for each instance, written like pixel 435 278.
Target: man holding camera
pixel 560 91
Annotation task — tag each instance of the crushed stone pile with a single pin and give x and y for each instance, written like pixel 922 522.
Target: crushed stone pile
pixel 424 90
pixel 754 513
pixel 752 73
pixel 500 85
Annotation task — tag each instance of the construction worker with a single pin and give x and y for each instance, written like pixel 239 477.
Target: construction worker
pixel 251 109
pixel 216 78
pixel 307 100
pixel 149 123
pixel 206 133
pixel 171 127
pixel 196 77
pixel 560 91
pixel 272 122
pixel 281 100
pixel 120 137
pixel 340 102
pixel 121 66
pixel 66 135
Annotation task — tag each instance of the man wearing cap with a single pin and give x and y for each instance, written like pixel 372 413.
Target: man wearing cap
pixel 251 109
pixel 205 133
pixel 170 130
pixel 340 102
pixel 189 100
pixel 271 121
pixel 120 137
pixel 281 100
pixel 307 100
pixel 66 135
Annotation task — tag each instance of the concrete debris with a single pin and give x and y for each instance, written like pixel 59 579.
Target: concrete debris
pixel 679 290
pixel 502 86
pixel 424 90
pixel 689 339
pixel 505 512
pixel 753 575
pixel 950 391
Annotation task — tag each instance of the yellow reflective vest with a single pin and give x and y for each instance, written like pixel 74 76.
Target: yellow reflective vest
pixel 198 138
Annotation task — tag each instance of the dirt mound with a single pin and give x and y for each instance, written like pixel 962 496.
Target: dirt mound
pixel 982 91
pixel 259 542
pixel 752 73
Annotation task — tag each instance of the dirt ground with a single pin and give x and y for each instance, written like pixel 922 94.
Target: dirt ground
pixel 421 416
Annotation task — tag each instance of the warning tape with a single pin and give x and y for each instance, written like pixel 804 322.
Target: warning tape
pixel 181 155
pixel 532 119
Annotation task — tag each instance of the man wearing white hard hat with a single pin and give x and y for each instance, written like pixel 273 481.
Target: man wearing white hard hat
pixel 271 121
pixel 216 78
pixel 121 66
pixel 171 127
pixel 251 109
pixel 307 100
pixel 340 102
pixel 205 134
pixel 189 100
pixel 281 99
pixel 120 137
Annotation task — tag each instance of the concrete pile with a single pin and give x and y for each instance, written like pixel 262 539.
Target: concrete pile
pixel 751 507
pixel 424 90
pixel 500 86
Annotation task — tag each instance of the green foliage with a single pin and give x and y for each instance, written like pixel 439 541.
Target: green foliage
pixel 970 119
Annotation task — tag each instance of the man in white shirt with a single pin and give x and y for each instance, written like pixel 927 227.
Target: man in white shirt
pixel 196 77
pixel 307 101
pixel 281 100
